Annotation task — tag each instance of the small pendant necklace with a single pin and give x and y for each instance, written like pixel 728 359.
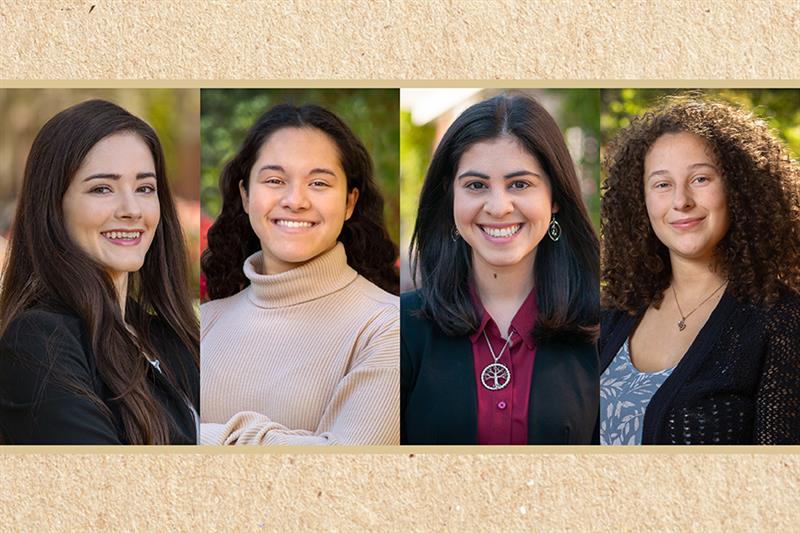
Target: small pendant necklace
pixel 496 375
pixel 682 321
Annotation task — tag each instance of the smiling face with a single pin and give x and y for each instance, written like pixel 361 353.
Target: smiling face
pixel 297 200
pixel 111 208
pixel 502 203
pixel 685 196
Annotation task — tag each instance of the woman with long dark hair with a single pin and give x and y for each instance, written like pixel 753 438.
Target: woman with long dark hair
pixel 99 340
pixel 498 341
pixel 300 346
pixel 700 340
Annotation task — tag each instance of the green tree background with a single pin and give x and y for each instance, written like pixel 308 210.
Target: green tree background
pixel 780 108
pixel 227 115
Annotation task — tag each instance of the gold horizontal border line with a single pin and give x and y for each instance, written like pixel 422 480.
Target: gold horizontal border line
pixel 530 450
pixel 403 84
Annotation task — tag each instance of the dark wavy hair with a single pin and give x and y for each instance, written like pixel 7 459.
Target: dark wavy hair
pixel 761 250
pixel 44 267
pixel 565 273
pixel 231 239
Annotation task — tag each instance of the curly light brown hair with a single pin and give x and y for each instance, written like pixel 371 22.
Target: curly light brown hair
pixel 760 254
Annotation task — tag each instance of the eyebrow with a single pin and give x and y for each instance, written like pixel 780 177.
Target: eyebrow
pixel 107 176
pixel 510 175
pixel 664 172
pixel 278 168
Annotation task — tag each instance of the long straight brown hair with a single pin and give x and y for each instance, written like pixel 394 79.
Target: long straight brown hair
pixel 45 266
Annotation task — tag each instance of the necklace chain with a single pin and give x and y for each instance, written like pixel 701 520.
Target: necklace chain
pixel 682 322
pixel 489 344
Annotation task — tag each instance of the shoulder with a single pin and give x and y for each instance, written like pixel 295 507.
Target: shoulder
pixel 39 344
pixel 212 310
pixel 610 320
pixel 783 317
pixel 411 315
pixel 411 301
pixel 373 295
pixel 36 326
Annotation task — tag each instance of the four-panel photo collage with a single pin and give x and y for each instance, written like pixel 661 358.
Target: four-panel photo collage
pixel 414 266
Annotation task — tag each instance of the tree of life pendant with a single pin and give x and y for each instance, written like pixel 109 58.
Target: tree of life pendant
pixel 681 325
pixel 495 376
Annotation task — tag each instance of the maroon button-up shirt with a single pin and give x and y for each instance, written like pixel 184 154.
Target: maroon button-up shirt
pixel 503 414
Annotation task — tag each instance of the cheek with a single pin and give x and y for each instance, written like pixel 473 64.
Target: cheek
pixel 464 207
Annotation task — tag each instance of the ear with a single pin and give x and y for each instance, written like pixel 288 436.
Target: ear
pixel 554 209
pixel 243 192
pixel 352 198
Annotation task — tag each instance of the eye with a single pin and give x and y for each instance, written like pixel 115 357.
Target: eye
pixel 319 184
pixel 100 190
pixel 519 185
pixel 476 185
pixel 662 185
pixel 701 179
pixel 272 180
pixel 146 189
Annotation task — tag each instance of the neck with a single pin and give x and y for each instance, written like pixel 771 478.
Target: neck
pixel 503 289
pixel 691 276
pixel 121 285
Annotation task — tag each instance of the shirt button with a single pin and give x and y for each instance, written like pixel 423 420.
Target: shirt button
pixel 501 405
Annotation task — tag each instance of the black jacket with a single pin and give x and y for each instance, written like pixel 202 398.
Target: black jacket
pixel 738 383
pixel 45 358
pixel 438 391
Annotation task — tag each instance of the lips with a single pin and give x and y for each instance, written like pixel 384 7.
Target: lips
pixel 500 231
pixel 686 223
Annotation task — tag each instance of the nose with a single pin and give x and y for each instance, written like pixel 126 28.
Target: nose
pixel 682 198
pixel 498 204
pixel 295 198
pixel 128 206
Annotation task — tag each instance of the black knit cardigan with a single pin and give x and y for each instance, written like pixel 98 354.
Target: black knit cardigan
pixel 739 382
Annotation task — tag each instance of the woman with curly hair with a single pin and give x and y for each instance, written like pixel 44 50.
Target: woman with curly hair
pixel 300 346
pixel 99 339
pixel 498 343
pixel 700 336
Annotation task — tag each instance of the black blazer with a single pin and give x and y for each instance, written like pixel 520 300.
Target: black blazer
pixel 738 383
pixel 438 391
pixel 46 351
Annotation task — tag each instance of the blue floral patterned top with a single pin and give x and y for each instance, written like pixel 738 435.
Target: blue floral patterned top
pixel 625 393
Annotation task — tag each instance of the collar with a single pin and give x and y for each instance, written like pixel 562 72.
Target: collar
pixel 323 275
pixel 522 324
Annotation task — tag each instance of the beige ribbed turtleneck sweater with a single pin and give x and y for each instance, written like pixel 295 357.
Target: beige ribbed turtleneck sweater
pixel 307 356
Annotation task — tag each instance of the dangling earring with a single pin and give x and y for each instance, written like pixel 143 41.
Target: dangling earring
pixel 454 234
pixel 554 230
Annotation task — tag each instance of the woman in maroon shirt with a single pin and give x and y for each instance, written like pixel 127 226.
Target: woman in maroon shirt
pixel 498 341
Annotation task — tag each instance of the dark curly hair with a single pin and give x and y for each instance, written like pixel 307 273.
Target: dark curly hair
pixel 231 239
pixel 565 273
pixel 759 254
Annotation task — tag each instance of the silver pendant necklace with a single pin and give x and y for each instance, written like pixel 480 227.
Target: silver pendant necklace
pixel 682 321
pixel 496 376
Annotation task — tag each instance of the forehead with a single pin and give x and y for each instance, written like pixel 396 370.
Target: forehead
pixel 299 145
pixel 118 153
pixel 499 155
pixel 677 150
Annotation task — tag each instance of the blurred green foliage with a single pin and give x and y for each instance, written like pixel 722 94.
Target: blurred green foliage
pixel 416 148
pixel 372 114
pixel 580 108
pixel 780 108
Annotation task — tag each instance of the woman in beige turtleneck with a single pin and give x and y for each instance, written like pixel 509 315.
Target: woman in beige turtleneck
pixel 301 346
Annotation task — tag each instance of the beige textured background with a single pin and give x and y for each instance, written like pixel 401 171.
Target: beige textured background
pixel 408 42
pixel 400 40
